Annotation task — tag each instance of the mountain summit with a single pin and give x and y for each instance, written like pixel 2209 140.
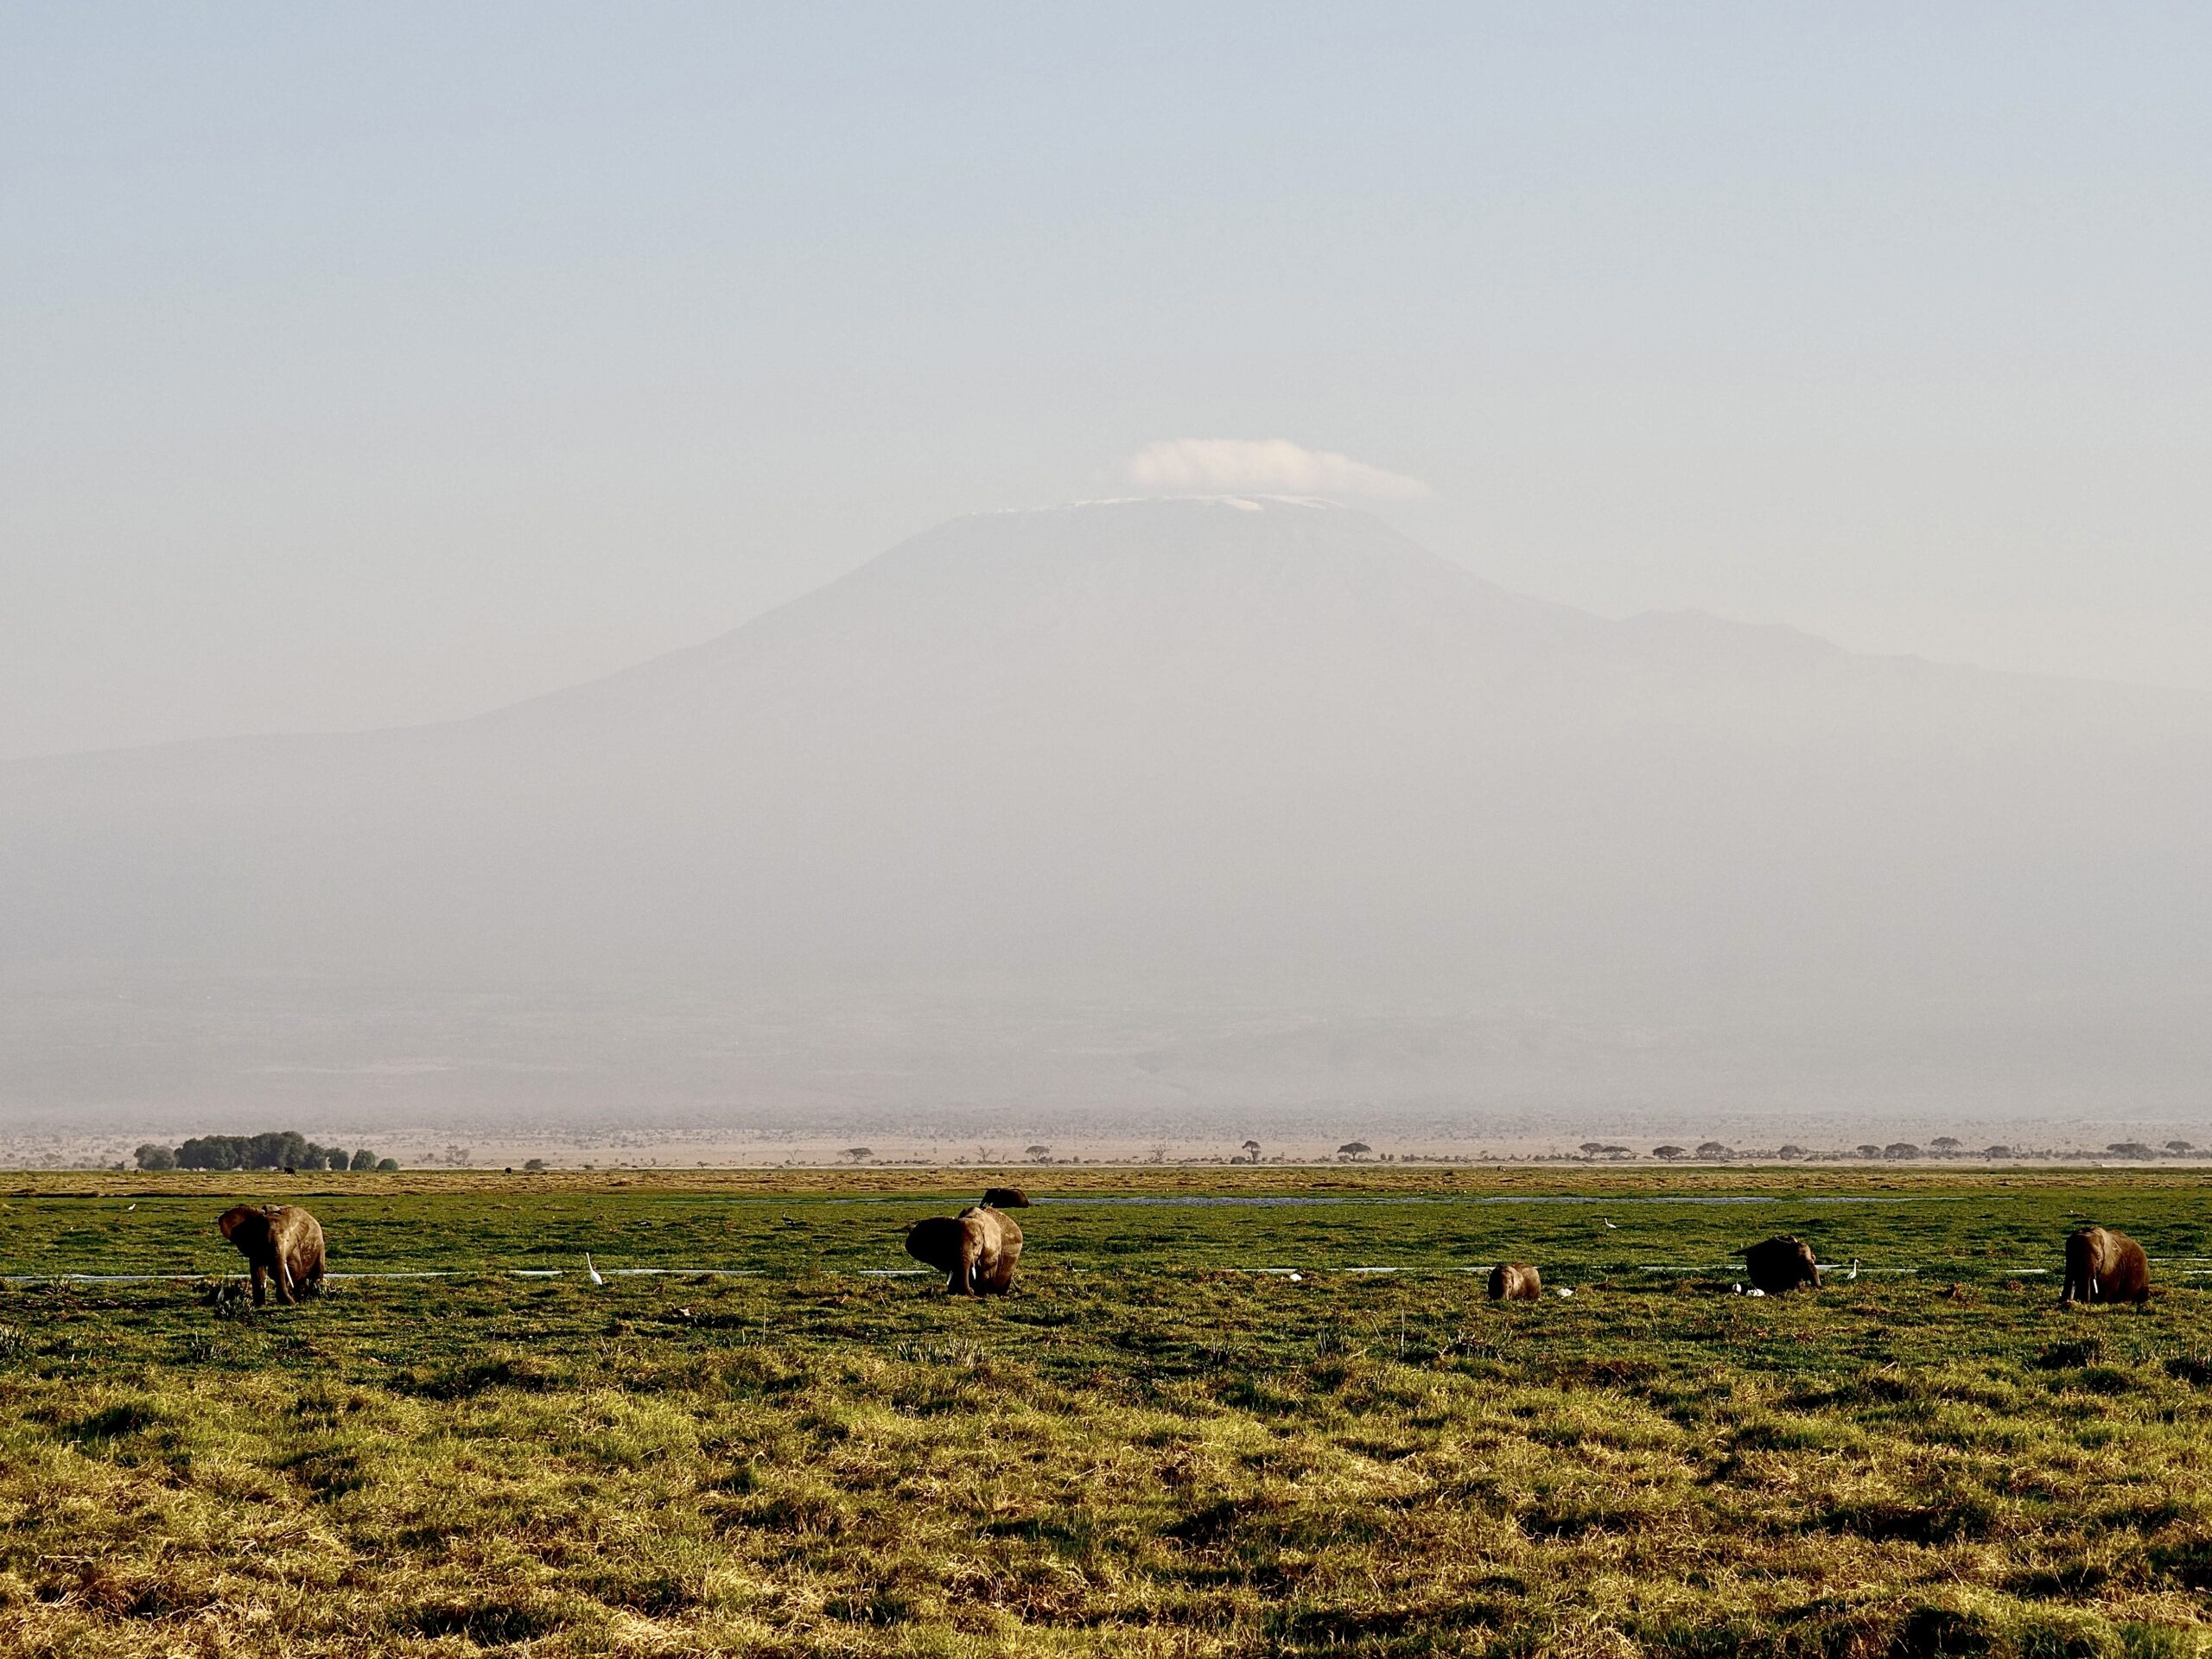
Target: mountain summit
pixel 1269 748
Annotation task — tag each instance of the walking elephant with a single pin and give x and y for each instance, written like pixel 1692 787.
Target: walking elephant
pixel 280 1241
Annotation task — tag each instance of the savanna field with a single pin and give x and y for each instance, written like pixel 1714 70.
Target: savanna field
pixel 1151 1448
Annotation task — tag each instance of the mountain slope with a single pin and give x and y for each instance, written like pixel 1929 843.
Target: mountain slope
pixel 1265 749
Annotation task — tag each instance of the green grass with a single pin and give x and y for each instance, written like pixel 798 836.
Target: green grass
pixel 1148 1450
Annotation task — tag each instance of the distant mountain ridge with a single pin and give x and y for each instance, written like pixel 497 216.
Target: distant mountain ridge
pixel 1264 747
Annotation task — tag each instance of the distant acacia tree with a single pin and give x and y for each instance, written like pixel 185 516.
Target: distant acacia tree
pixel 860 1154
pixel 1251 1150
pixel 2179 1148
pixel 1946 1144
pixel 1354 1149
pixel 1997 1152
pixel 1791 1150
pixel 2130 1149
pixel 1714 1149
pixel 1668 1152
pixel 1900 1150
pixel 151 1156
pixel 1042 1154
pixel 1591 1148
pixel 1869 1150
pixel 365 1159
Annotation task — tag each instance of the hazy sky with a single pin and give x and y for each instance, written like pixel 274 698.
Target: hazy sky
pixel 385 364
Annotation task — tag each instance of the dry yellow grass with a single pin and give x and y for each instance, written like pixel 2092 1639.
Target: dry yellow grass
pixel 1146 1452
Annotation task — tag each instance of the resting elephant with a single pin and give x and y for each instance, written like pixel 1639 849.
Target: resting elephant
pixel 1006 1198
pixel 1515 1281
pixel 280 1241
pixel 1782 1263
pixel 976 1250
pixel 2103 1266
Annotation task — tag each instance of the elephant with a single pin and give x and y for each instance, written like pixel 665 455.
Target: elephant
pixel 282 1241
pixel 2104 1266
pixel 1005 1198
pixel 1515 1281
pixel 1782 1263
pixel 976 1250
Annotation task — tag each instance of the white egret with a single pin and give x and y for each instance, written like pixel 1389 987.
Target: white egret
pixel 592 1270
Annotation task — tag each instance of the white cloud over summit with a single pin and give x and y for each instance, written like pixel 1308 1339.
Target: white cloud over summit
pixel 1269 466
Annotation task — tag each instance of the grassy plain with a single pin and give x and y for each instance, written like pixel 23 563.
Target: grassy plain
pixel 1151 1448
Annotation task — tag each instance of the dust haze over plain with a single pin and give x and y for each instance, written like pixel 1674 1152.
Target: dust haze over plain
pixel 1249 790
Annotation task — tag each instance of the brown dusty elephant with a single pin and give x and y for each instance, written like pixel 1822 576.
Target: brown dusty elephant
pixel 1515 1281
pixel 2103 1266
pixel 1005 1198
pixel 281 1241
pixel 1782 1263
pixel 976 1250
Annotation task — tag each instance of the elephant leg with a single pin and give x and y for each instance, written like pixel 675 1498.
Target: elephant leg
pixel 284 1292
pixel 260 1284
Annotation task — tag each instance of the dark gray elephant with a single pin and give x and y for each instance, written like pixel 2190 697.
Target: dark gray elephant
pixel 1782 1263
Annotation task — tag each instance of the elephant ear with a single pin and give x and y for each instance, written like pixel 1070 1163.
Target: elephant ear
pixel 936 1241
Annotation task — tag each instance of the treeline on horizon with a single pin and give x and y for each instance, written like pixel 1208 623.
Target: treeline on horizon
pixel 271 1149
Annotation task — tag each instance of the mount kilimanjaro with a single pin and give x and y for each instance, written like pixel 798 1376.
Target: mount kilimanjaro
pixel 1145 806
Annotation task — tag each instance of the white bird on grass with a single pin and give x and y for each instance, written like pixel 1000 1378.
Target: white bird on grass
pixel 1755 1291
pixel 1297 1278
pixel 1609 1226
pixel 1853 1273
pixel 1562 1292
pixel 595 1278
